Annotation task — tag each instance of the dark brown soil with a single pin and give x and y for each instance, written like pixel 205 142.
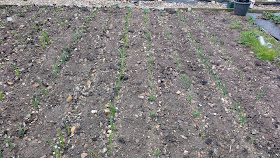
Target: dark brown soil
pixel 206 126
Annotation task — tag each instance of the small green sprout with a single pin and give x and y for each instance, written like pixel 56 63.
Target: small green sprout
pixel 96 156
pixel 61 138
pixel 261 93
pixel 55 69
pixel 145 11
pixel 22 131
pixel 196 113
pixel 16 69
pixel 46 37
pixel 157 153
pixel 43 88
pixel 1 96
pixel 151 87
pixel 68 128
pixel 43 42
pixel 150 77
pixel 9 143
pixel 55 147
pixel 169 37
pixel 153 115
pixel 190 96
pixel 223 87
pixel 151 60
pixel 152 97
pixel 252 139
pixel 241 114
pixel 35 100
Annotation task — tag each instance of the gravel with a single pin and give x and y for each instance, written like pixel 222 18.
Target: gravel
pixel 122 3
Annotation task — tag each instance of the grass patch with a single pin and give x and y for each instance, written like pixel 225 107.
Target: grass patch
pixel 250 38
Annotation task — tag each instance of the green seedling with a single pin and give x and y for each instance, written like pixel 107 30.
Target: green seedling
pixel 190 96
pixel 157 153
pixel 202 134
pixel 145 11
pixel 223 87
pixel 251 85
pixel 35 100
pixel 153 115
pixel 43 42
pixel 55 147
pixel 261 93
pixel 252 140
pixel 64 56
pixel 43 88
pixel 60 22
pixel 241 114
pixel 148 35
pixel 150 77
pixel 169 37
pixel 68 128
pixel 187 86
pixel 9 143
pixel 22 131
pixel 151 60
pixel 152 97
pixel 113 127
pixel 104 26
pixel 151 87
pixel 96 156
pixel 196 113
pixel 61 138
pixel 214 39
pixel 179 67
pixel 1 96
pixel 1 154
pixel 16 69
pixel 55 69
pixel 35 25
pixel 46 37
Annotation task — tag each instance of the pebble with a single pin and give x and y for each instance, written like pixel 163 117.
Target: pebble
pixel 73 130
pixel 83 155
pixel 107 111
pixel 10 83
pixel 69 99
pixel 35 85
pixel 9 19
pixel 94 111
pixel 104 150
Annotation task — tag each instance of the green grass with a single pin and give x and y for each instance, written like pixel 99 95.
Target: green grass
pixel 252 140
pixel 235 26
pixel 248 39
pixel 43 88
pixel 43 42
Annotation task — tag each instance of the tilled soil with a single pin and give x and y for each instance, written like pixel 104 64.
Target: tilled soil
pixel 195 121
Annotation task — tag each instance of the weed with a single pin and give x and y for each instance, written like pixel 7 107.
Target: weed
pixel 261 93
pixel 157 153
pixel 61 138
pixel 93 153
pixel 248 38
pixel 35 100
pixel 22 131
pixel 196 113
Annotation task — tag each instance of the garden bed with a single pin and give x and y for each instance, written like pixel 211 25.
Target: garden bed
pixel 133 83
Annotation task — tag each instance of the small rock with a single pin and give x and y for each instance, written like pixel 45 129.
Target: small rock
pixel 88 83
pixel 178 92
pixel 35 85
pixel 10 83
pixel 94 111
pixel 104 150
pixel 73 130
pixel 86 145
pixel 9 19
pixel 185 153
pixel 107 111
pixel 69 99
pixel 83 155
pixel 208 141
